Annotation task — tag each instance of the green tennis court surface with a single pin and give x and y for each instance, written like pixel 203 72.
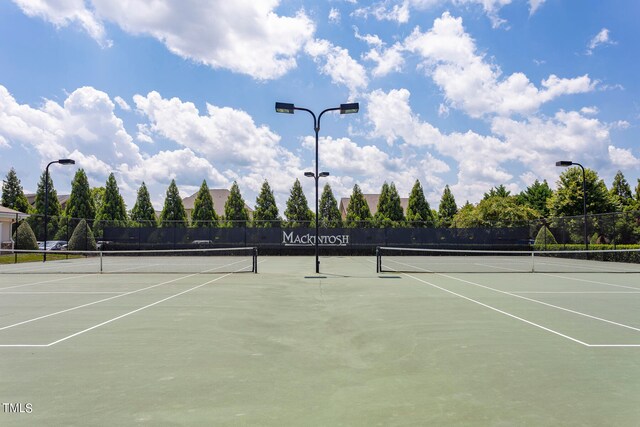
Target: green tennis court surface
pixel 353 347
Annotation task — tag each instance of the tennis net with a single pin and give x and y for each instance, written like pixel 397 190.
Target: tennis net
pixel 210 260
pixel 393 259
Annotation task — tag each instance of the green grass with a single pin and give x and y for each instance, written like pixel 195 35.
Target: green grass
pixel 36 257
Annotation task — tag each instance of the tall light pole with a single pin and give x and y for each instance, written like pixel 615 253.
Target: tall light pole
pixel 46 198
pixel 565 163
pixel 283 107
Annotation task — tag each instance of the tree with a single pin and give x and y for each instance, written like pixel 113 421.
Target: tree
pixel 298 212
pixel 620 192
pixel 328 210
pixel 82 238
pixel 266 212
pixel 389 206
pixel 80 203
pixel 235 210
pixel 447 208
pixel 419 212
pixel 12 194
pixel 358 212
pixel 112 208
pixel 173 213
pixel 54 211
pixel 499 191
pixel 496 211
pixel 143 212
pixel 204 214
pixel 97 193
pixel 567 200
pixel 25 238
pixel 536 197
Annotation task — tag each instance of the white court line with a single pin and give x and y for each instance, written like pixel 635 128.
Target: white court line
pixel 119 317
pixel 576 292
pixel 532 300
pixel 135 311
pixel 542 303
pixel 499 311
pixel 94 302
pixel 60 292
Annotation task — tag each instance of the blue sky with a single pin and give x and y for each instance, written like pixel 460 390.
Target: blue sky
pixel 470 93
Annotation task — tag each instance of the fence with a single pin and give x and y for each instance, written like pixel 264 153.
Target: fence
pixel 620 228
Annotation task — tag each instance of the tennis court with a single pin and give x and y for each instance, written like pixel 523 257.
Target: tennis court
pixel 348 347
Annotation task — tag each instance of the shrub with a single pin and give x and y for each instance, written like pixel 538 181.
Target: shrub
pixel 544 238
pixel 82 238
pixel 25 238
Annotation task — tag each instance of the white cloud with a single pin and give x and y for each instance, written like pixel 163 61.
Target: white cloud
pixel 400 10
pixel 122 103
pixel 335 62
pixel 602 38
pixel 62 13
pixel 534 5
pixel 85 123
pixel 387 60
pixel 623 157
pixel 475 86
pixel 243 36
pixel 334 15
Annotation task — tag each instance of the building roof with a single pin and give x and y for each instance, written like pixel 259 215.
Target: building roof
pixel 372 202
pixel 62 199
pixel 10 213
pixel 219 197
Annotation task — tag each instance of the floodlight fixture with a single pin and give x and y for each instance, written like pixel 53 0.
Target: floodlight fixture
pixel 67 162
pixel 564 163
pixel 284 107
pixel 309 174
pixel 351 108
pixel 323 174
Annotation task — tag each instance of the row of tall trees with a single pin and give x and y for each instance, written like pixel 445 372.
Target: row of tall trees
pixel 497 208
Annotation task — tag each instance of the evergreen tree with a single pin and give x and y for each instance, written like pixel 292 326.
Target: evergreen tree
pixel 389 206
pixel 143 212
pixel 329 212
pixel 82 238
pixel 536 197
pixel 204 214
pixel 97 193
pixel 235 210
pixel 25 239
pixel 54 210
pixel 298 212
pixel 499 191
pixel 112 208
pixel 358 212
pixel 419 212
pixel 80 203
pixel 173 213
pixel 12 194
pixel 266 212
pixel 447 208
pixel 621 192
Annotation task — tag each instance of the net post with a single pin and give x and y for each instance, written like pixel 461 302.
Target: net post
pixel 378 259
pixel 533 261
pixel 100 254
pixel 255 260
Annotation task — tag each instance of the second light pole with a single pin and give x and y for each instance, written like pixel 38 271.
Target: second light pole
pixel 283 107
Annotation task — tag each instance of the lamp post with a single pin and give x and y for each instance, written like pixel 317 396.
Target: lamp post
pixel 46 198
pixel 565 163
pixel 283 107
